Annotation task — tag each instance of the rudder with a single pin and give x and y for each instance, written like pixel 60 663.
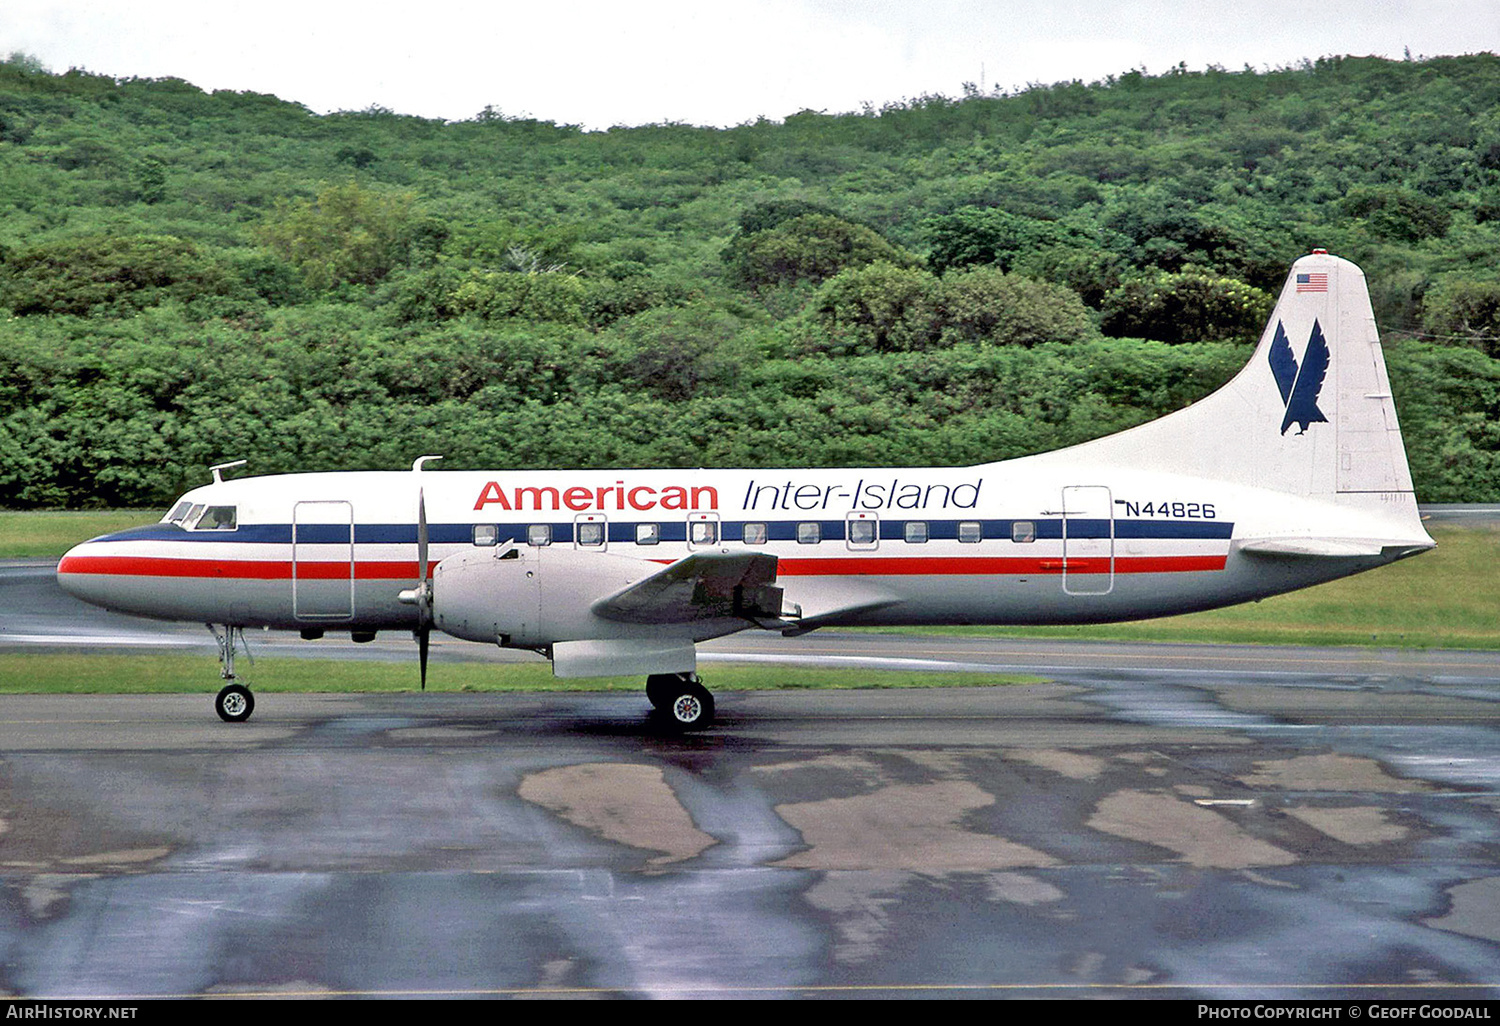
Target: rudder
pixel 1311 414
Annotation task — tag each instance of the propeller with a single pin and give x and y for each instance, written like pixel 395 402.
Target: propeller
pixel 421 595
pixel 424 589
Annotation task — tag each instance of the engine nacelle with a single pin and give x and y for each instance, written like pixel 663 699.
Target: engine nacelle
pixel 527 597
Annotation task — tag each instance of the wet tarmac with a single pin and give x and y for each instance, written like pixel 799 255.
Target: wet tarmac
pixel 1318 823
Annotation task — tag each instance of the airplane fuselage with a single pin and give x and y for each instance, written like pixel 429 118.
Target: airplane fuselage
pixel 1004 543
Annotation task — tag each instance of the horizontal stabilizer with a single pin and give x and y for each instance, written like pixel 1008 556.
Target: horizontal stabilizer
pixel 703 586
pixel 1324 548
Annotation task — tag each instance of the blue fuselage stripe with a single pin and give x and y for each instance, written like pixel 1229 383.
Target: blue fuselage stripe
pixel 675 531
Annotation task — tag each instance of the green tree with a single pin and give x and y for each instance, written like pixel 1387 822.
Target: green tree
pixel 150 180
pixel 878 308
pixel 884 308
pixel 1091 273
pixel 764 216
pixel 1462 311
pixel 1400 214
pixel 1193 306
pixel 348 234
pixel 1167 233
pixel 678 353
pixel 536 296
pixel 977 236
pixel 808 248
pixel 987 305
pixel 108 272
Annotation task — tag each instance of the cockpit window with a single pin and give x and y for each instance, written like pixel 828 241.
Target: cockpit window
pixel 218 518
pixel 177 512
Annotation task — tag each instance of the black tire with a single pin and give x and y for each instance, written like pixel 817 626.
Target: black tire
pixel 234 703
pixel 691 707
pixel 659 689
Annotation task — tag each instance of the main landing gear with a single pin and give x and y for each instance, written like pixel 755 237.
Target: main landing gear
pixel 234 702
pixel 681 700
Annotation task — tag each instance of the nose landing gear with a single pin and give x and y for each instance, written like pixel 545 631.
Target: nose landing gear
pixel 234 703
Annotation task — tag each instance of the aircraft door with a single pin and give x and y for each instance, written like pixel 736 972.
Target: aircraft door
pixel 1088 540
pixel 323 560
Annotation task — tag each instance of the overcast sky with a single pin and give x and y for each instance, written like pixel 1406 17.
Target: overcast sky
pixel 634 62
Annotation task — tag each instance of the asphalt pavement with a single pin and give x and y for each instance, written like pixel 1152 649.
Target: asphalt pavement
pixel 1149 821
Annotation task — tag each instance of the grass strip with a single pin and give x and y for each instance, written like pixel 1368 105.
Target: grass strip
pixel 48 534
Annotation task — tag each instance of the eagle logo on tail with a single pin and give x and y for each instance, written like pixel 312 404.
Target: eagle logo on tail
pixel 1300 385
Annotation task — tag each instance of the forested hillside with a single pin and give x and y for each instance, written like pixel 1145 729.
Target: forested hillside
pixel 188 278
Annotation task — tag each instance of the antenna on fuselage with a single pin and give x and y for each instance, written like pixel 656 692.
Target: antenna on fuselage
pixel 416 464
pixel 214 470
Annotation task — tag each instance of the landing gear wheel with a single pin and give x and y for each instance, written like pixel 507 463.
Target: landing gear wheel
pixel 691 707
pixel 234 703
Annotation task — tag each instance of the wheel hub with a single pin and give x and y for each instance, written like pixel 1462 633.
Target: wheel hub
pixel 687 709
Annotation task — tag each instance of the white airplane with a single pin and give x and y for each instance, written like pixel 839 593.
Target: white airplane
pixel 1290 475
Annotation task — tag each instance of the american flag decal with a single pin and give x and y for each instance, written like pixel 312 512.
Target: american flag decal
pixel 1313 281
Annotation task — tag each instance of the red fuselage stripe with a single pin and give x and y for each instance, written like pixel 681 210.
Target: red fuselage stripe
pixel 896 566
pixel 236 569
pixel 849 566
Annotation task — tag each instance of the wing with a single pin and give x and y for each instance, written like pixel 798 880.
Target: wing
pixel 703 586
pixel 1283 364
pixel 1302 407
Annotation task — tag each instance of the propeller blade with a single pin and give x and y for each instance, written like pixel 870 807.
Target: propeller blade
pixel 424 588
pixel 422 537
pixel 422 636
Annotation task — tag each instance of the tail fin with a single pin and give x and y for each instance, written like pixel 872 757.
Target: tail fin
pixel 1310 415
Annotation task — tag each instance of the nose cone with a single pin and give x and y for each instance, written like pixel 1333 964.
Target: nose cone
pixel 102 570
pixel 139 572
pixel 78 574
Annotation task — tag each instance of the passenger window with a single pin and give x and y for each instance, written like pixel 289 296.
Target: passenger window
pixel 590 535
pixel 486 534
pixel 861 532
pixel 703 532
pixel 539 534
pixel 916 531
pixel 970 531
pixel 809 533
pixel 755 534
pixel 1023 531
pixel 647 534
